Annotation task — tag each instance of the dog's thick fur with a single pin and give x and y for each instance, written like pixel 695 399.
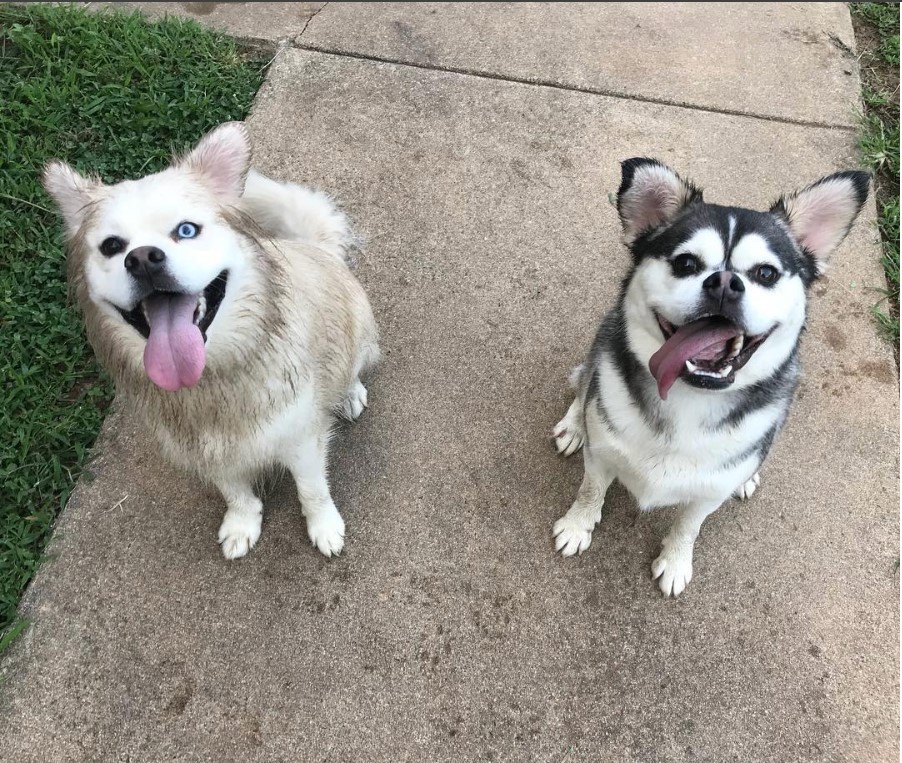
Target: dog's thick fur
pixel 696 436
pixel 284 351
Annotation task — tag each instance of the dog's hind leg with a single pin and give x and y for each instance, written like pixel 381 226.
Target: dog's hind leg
pixel 570 432
pixel 307 464
pixel 573 531
pixel 747 489
pixel 241 525
pixel 673 567
pixel 355 401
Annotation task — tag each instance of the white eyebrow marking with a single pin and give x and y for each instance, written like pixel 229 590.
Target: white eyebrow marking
pixel 752 249
pixel 707 245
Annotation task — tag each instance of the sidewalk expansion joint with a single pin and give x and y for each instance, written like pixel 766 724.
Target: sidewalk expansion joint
pixel 538 82
pixel 307 23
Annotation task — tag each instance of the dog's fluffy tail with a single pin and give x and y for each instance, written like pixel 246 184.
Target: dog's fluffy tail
pixel 294 212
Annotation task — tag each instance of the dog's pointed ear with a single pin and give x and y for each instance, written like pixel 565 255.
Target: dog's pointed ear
pixel 820 216
pixel 222 159
pixel 651 194
pixel 73 193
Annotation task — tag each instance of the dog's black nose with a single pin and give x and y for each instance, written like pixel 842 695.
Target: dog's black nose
pixel 724 286
pixel 145 261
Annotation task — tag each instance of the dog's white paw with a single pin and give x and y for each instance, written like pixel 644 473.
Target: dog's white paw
pixel 747 489
pixel 569 433
pixel 572 533
pixel 326 529
pixel 673 568
pixel 355 402
pixel 238 533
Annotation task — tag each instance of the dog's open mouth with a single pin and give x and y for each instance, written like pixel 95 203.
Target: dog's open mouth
pixel 706 353
pixel 207 303
pixel 175 326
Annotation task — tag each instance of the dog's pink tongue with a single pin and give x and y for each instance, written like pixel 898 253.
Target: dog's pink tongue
pixel 704 339
pixel 174 355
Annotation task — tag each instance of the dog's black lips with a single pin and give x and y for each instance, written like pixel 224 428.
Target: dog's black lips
pixel 749 346
pixel 213 294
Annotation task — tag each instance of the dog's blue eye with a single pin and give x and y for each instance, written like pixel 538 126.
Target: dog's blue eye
pixel 187 230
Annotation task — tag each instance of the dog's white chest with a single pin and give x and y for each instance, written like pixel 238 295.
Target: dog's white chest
pixel 658 475
pixel 684 461
pixel 264 438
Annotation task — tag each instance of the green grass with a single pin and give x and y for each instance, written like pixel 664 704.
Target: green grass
pixel 884 18
pixel 110 94
pixel 877 32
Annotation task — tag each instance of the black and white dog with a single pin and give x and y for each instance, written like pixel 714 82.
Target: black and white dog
pixel 691 375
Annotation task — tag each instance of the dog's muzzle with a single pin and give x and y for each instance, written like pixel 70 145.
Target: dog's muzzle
pixel 147 266
pixel 706 352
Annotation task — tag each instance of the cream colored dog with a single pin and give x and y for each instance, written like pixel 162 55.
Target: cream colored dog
pixel 221 304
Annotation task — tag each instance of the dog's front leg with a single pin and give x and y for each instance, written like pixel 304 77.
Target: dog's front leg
pixel 573 531
pixel 673 567
pixel 240 528
pixel 325 526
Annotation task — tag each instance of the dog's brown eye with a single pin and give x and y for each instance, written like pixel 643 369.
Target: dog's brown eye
pixel 112 246
pixel 766 275
pixel 685 265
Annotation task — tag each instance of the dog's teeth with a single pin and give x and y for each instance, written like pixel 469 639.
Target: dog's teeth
pixel 712 374
pixel 736 346
pixel 721 374
pixel 201 309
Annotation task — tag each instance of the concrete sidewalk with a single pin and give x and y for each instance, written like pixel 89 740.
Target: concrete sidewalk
pixel 449 630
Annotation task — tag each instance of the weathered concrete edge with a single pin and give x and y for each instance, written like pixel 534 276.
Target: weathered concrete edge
pixel 16 652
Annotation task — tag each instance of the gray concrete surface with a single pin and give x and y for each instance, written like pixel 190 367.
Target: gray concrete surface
pixel 261 22
pixel 785 60
pixel 449 630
